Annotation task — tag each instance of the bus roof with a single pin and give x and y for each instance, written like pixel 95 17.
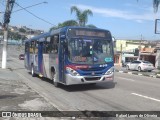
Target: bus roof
pixel 63 29
pixel 37 37
pixel 56 31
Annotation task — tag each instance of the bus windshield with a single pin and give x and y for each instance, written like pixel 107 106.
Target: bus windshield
pixel 90 51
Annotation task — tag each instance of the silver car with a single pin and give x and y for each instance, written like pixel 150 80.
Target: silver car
pixel 140 65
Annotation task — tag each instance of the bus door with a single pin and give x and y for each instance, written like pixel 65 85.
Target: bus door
pixel 40 57
pixel 27 55
pixel 62 60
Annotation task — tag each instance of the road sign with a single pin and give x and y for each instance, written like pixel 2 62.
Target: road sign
pixel 157 26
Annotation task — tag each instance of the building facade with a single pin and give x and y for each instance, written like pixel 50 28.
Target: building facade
pixel 129 50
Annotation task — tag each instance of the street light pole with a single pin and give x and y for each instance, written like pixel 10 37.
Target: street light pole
pixel 5 27
pixel 9 7
pixel 4 53
pixel 121 55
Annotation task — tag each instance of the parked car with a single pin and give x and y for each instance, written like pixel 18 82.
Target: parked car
pixel 140 65
pixel 21 56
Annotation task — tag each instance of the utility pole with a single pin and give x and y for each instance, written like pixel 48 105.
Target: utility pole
pixel 140 48
pixel 7 14
pixel 121 55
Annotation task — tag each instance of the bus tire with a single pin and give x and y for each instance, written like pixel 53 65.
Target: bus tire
pixel 32 71
pixel 56 84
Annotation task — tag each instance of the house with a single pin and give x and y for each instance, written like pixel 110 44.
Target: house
pixel 128 50
pixel 13 29
pixel 129 45
pixel 148 54
pixel 151 54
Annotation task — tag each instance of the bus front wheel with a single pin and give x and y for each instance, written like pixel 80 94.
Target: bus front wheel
pixel 56 84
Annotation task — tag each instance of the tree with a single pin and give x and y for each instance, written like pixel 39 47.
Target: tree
pixel 53 28
pixel 91 26
pixel 14 35
pixel 23 37
pixel 69 23
pixel 22 30
pixel 155 5
pixel 65 23
pixel 82 16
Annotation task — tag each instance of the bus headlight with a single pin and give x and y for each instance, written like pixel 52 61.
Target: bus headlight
pixel 110 71
pixel 72 72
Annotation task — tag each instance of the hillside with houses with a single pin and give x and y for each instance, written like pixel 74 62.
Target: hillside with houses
pixel 20 32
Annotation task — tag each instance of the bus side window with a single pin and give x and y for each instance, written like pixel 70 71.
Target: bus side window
pixel 46 45
pixel 26 47
pixel 36 47
pixel 54 44
pixel 31 47
pixel 34 43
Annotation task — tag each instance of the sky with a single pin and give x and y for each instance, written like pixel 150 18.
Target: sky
pixel 125 19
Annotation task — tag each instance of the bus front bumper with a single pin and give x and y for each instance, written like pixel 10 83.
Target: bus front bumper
pixel 71 80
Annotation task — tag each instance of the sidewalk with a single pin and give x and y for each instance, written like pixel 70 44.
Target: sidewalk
pixel 154 73
pixel 17 96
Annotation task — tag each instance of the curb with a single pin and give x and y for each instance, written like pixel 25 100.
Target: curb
pixel 140 74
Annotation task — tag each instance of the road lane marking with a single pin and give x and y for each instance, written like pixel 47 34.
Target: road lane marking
pixel 146 97
pixel 126 79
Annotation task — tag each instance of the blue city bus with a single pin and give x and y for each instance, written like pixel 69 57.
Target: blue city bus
pixel 71 55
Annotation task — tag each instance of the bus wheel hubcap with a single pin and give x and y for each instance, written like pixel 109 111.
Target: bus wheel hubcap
pixel 32 71
pixel 53 76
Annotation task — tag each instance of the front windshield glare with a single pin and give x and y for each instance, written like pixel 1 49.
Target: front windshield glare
pixel 90 51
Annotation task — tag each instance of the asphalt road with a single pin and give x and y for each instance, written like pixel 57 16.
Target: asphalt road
pixel 130 93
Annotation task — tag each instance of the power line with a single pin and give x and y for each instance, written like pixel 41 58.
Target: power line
pixel 27 7
pixel 34 14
